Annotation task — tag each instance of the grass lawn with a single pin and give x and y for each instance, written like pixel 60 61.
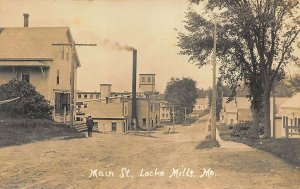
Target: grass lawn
pixel 17 131
pixel 286 149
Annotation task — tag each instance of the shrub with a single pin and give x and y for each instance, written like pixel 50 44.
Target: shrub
pixel 31 103
pixel 242 130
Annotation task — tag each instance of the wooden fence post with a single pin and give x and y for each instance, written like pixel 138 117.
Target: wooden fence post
pixel 286 127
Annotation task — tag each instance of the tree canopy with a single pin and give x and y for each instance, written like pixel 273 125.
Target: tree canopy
pixel 255 42
pixel 181 93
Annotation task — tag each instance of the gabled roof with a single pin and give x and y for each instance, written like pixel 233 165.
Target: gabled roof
pixel 293 102
pixel 26 43
pixel 235 104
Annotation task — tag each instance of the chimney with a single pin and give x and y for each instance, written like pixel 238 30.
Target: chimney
pixel 105 90
pixel 134 67
pixel 26 19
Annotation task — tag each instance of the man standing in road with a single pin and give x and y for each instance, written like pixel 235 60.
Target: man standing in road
pixel 89 124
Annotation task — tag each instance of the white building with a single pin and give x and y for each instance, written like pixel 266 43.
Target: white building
pixel 28 53
pixel 288 113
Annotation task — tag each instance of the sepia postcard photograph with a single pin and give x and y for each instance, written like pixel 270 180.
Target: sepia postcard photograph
pixel 150 94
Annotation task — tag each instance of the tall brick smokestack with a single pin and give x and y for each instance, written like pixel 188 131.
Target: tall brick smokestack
pixel 26 19
pixel 134 67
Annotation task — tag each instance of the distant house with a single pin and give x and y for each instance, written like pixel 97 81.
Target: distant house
pixel 274 116
pixel 235 111
pixel 288 113
pixel 27 54
pixel 201 105
pixel 108 117
pixel 243 114
pixel 165 112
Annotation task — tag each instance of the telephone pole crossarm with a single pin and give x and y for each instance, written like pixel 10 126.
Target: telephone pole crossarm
pixel 76 44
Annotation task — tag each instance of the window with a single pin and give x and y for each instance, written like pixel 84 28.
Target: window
pixel 167 115
pixel 97 96
pixel 26 74
pixel 91 96
pixel 163 115
pixel 57 77
pixel 79 96
pixel 143 79
pixel 113 126
pixel 62 102
pixel 85 96
pixel 85 105
pixel 144 121
pixel 149 79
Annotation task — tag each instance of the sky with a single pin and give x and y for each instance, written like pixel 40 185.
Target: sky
pixel 145 25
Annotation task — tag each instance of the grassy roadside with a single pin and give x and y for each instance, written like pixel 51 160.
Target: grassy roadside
pixel 17 131
pixel 208 143
pixel 286 149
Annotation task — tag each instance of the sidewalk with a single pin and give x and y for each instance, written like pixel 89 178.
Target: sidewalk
pixel 226 144
pixel 230 144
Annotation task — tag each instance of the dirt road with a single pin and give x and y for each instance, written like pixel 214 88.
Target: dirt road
pixel 175 157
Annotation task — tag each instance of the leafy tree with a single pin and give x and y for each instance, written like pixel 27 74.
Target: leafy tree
pixel 227 92
pixel 201 93
pixel 254 45
pixel 31 103
pixel 181 93
pixel 283 89
pixel 294 83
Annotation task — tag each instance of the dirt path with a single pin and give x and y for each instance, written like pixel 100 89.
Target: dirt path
pixel 67 163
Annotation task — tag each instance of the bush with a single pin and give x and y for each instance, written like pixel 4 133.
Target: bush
pixel 31 103
pixel 242 130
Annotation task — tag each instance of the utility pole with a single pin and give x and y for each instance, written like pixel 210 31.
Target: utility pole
pixel 149 109
pixel 214 92
pixel 72 92
pixel 173 112
pixel 185 114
